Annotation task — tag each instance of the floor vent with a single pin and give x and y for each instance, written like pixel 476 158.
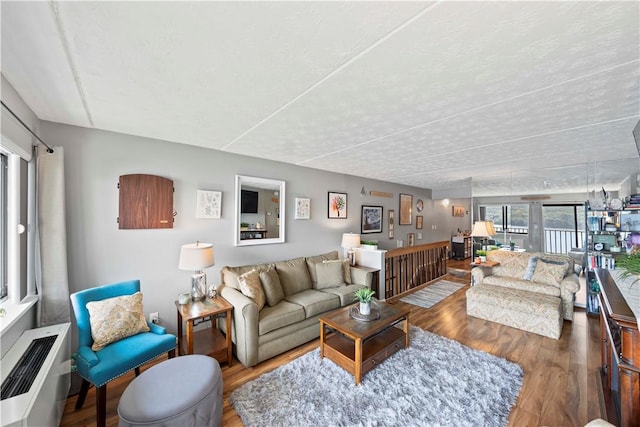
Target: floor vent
pixel 24 373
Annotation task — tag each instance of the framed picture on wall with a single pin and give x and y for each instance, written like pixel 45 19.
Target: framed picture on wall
pixel 457 210
pixel 411 238
pixel 209 204
pixel 392 220
pixel 419 220
pixel 337 205
pixel 406 202
pixel 303 208
pixel 371 219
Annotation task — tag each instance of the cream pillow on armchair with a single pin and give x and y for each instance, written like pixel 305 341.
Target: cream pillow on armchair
pixel 116 318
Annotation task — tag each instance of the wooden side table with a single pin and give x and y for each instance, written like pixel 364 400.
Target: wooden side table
pixel 206 341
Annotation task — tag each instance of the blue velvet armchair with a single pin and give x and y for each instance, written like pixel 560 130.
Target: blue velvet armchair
pixel 117 358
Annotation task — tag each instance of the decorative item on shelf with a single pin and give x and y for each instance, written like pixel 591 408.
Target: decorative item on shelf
pixel 364 296
pixel 196 257
pixel 350 241
pixel 184 298
pixel 212 291
pixel 593 307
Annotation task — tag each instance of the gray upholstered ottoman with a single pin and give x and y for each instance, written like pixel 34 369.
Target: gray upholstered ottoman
pixel 529 311
pixel 183 391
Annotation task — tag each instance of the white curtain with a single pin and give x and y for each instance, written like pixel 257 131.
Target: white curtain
pixel 52 281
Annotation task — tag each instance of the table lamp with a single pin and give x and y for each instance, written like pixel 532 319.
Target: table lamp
pixel 350 241
pixel 196 257
pixel 483 229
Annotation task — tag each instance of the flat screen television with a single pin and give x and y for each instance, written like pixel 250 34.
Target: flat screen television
pixel 248 201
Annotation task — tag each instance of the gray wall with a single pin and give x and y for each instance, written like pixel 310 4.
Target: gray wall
pixel 100 253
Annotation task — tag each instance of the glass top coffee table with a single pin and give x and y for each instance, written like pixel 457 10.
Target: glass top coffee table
pixel 359 346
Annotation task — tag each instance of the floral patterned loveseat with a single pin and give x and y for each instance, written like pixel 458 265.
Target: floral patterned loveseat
pixel 529 291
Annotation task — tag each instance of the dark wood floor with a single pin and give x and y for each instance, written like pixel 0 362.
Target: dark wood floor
pixel 559 387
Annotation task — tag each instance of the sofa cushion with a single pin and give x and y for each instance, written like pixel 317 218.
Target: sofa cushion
pixel 523 285
pixel 230 274
pixel 512 264
pixel 345 293
pixel 294 275
pixel 272 287
pixel 550 272
pixel 314 302
pixel 282 314
pixel 313 260
pixel 329 274
pixel 251 287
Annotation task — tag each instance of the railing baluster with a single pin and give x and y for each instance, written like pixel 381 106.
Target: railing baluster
pixel 409 267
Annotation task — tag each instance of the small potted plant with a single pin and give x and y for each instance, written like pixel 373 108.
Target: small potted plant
pixel 369 244
pixel 364 295
pixel 482 254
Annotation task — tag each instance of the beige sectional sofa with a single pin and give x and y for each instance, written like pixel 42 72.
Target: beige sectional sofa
pixel 529 291
pixel 280 310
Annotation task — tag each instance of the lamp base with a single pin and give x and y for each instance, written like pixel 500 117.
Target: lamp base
pixel 198 286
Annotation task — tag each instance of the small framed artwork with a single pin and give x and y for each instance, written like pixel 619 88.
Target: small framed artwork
pixel 406 202
pixel 337 205
pixel 209 204
pixel 371 219
pixel 457 210
pixel 392 221
pixel 411 238
pixel 303 208
pixel 419 222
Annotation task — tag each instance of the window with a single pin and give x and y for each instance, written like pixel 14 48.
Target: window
pixel 513 219
pixel 563 227
pixel 13 200
pixel 4 166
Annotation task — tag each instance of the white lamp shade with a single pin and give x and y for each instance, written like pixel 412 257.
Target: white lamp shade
pixel 350 240
pixel 196 256
pixel 483 229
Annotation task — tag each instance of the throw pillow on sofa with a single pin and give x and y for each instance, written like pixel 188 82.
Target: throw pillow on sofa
pixel 294 276
pixel 550 272
pixel 313 260
pixel 251 287
pixel 330 274
pixel 272 287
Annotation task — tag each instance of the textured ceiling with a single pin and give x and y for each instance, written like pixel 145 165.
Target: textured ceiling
pixel 499 96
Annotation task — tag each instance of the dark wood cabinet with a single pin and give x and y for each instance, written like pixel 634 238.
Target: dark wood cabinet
pixel 461 247
pixel 146 201
pixel 620 352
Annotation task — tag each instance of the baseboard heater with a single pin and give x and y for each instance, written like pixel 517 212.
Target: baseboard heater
pixel 36 377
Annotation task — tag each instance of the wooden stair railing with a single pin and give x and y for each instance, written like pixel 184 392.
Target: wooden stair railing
pixel 406 268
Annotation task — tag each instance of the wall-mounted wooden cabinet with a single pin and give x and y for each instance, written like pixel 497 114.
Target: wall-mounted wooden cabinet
pixel 146 201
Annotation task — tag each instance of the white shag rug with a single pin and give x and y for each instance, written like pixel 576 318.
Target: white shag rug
pixel 434 382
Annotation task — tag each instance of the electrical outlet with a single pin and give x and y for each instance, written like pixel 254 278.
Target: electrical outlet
pixel 154 317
